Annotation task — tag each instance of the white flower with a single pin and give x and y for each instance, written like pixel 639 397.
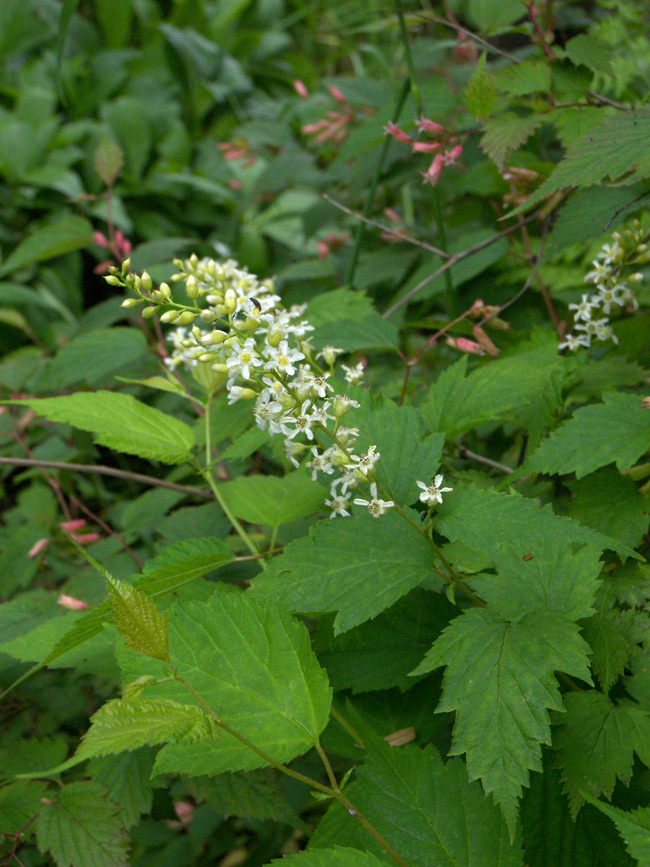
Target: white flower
pixel 575 341
pixel 607 297
pixel 320 386
pixel 338 504
pixel 342 404
pixel 320 414
pixel 303 422
pixel 366 463
pixel 281 358
pixel 600 273
pixel 376 507
pixel 320 463
pixel 604 332
pixel 268 411
pixel 291 449
pixel 328 354
pixel 432 494
pixel 354 375
pixel 242 357
pixel 583 310
pixel 629 297
pixel 610 253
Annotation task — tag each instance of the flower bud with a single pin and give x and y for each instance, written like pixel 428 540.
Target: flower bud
pixel 220 367
pixel 165 291
pixel 113 281
pixel 129 303
pixel 214 338
pixel 338 458
pixel 71 603
pixel 146 281
pixel 213 298
pixel 186 318
pixel 285 400
pixel 126 264
pixel 208 315
pixel 148 312
pixel 169 316
pixel 230 301
pixel 192 288
pixel 636 278
pixel 274 335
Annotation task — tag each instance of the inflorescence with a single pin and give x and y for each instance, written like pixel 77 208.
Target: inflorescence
pixel 260 351
pixel 612 292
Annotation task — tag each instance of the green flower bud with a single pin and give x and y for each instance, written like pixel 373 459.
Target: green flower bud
pixel 165 291
pixel 186 318
pixel 220 368
pixel 114 281
pixel 129 303
pixel 338 458
pixel 169 316
pixel 192 288
pixel 230 301
pixel 214 338
pixel 208 315
pixel 126 264
pixel 148 312
pixel 285 399
pixel 275 335
pixel 146 281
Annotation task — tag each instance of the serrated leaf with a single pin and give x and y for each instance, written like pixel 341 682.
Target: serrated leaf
pixel 505 134
pixel 120 422
pixel 245 445
pixel 591 52
pixel 555 578
pixel 596 742
pixel 617 149
pixel 610 503
pixel 62 236
pixel 480 93
pixel 617 430
pixel 487 521
pixel 138 620
pixel 633 826
pixel 162 575
pixel 82 828
pixel 126 778
pixel 253 665
pixel 366 332
pixel 31 754
pixel 427 810
pixel 491 15
pixel 612 643
pixel 532 75
pixel 500 681
pixel 380 653
pixel 356 566
pixel 589 213
pixel 247 795
pixel 337 857
pixel 19 802
pixel 273 500
pixel 128 724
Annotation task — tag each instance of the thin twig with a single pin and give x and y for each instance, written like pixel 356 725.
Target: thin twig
pixel 395 232
pixel 480 459
pixel 106 471
pixel 453 260
pixel 462 29
pixel 607 101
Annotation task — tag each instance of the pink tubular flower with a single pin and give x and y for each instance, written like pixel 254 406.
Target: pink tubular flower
pixel 432 174
pixel 73 526
pixel 425 147
pixel 86 538
pixel 485 341
pixel 101 240
pixel 465 345
pixel 71 603
pixel 299 87
pixel 336 93
pixel 392 129
pixel 430 126
pixel 37 548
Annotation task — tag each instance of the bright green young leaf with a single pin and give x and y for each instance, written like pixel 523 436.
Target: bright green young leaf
pixel 505 133
pixel 617 430
pixel 358 567
pixel 633 826
pixel 121 422
pixel 80 827
pixel 380 653
pixel 338 856
pixel 426 809
pixel 253 664
pixel 138 620
pixel 62 236
pixel 554 578
pixel 596 743
pixel 500 681
pixel 92 357
pixel 610 503
pixel 486 521
pixel 128 724
pixel 273 500
pixel 126 778
pixel 480 92
pixel 616 150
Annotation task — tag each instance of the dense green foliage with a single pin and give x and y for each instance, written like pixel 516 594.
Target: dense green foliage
pixel 264 263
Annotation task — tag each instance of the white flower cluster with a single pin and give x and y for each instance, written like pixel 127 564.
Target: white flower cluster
pixel 611 293
pixel 261 352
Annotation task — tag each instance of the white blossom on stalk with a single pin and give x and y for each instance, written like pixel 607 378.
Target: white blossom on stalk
pixel 292 449
pixel 281 358
pixel 338 504
pixel 606 296
pixel 365 464
pixel 303 422
pixel 242 358
pixel 432 493
pixel 320 463
pixel 355 374
pixel 320 386
pixel 584 308
pixel 600 273
pixel 574 342
pixel 376 507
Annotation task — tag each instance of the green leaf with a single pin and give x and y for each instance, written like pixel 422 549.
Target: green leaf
pixel 356 566
pixel 120 422
pixel 247 795
pixel 128 724
pixel 31 754
pixel 591 52
pixel 500 681
pixel 457 403
pixel 92 357
pixel 253 665
pixel 81 828
pixel 612 640
pixel 336 857
pixel 20 802
pixel 633 826
pixel 490 15
pixel 616 150
pixel 126 778
pixel 617 430
pixel 380 653
pixel 367 332
pixel 245 445
pixel 480 93
pixel 163 575
pixel 486 521
pixel 505 134
pixel 556 578
pixel 138 620
pixel 64 235
pixel 426 809
pixel 610 503
pixel 532 75
pixel 596 742
pixel 273 500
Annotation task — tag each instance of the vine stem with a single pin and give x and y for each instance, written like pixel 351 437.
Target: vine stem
pixel 333 791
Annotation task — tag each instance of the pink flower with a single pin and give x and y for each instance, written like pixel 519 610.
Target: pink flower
pixel 432 174
pixel 300 88
pixel 101 240
pixel 430 126
pixel 71 603
pixel 485 341
pixel 465 345
pixel 392 129
pixel 425 147
pixel 86 538
pixel 72 526
pixel 37 548
pixel 185 811
pixel 336 93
